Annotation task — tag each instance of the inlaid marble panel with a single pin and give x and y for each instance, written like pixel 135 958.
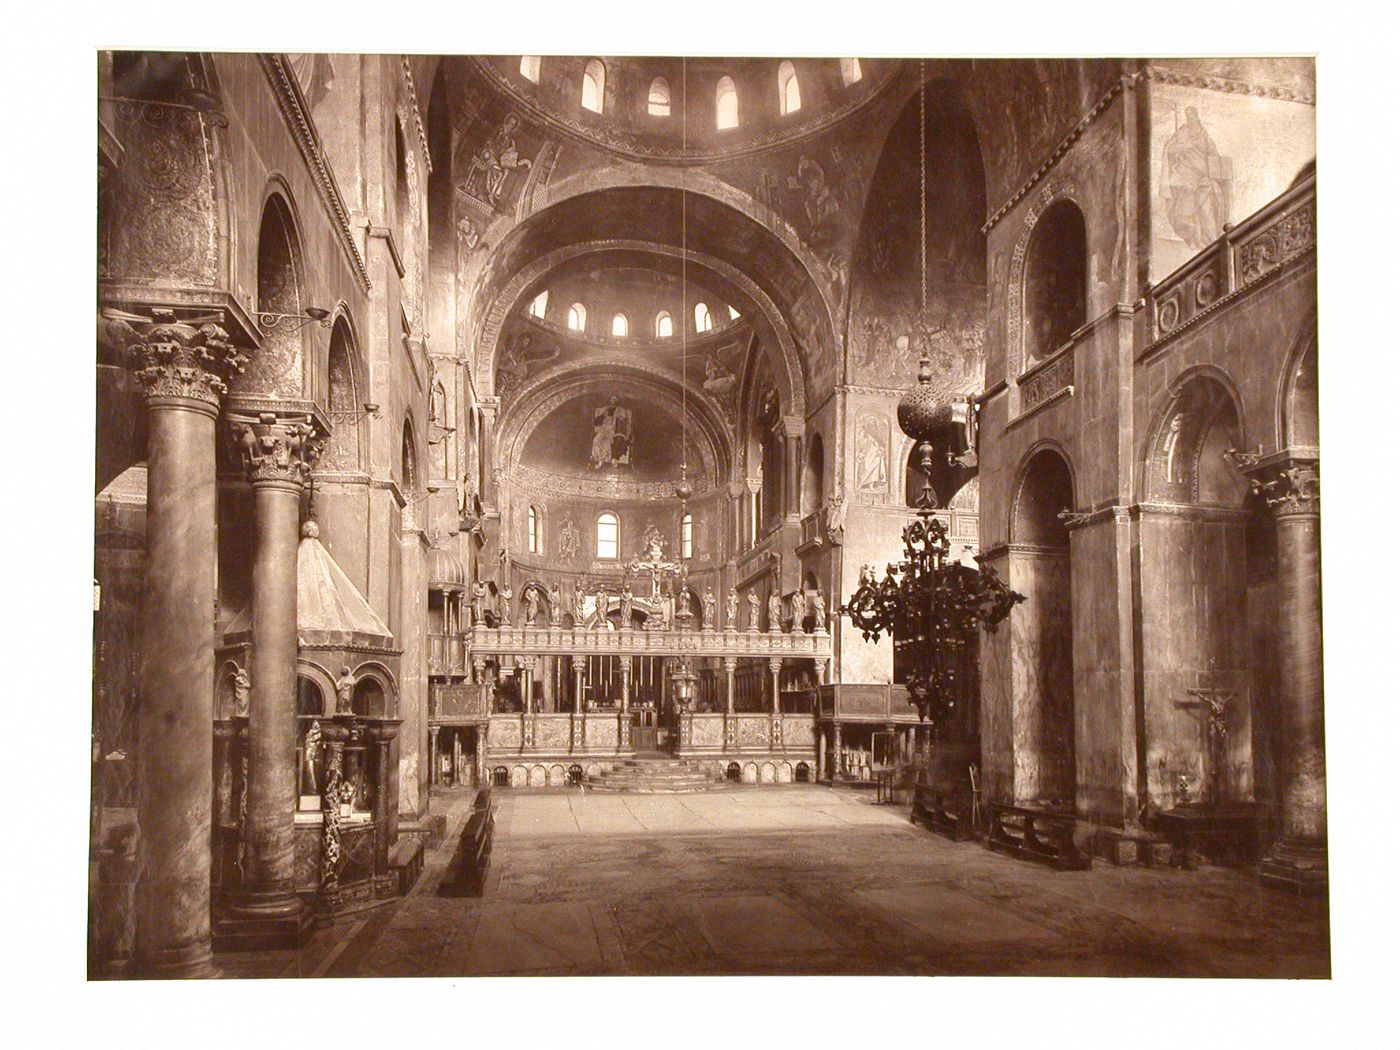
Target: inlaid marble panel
pixel 753 731
pixel 552 732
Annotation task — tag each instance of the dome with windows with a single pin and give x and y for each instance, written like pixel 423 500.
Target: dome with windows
pixel 686 110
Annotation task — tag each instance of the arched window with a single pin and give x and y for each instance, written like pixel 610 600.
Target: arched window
pixel 408 460
pixel 726 104
pixel 619 326
pixel 593 79
pixel 403 205
pixel 659 98
pixel 850 71
pixel 539 304
pixel 789 94
pixel 534 538
pixel 530 68
pixel 687 537
pixel 607 535
pixel 733 314
pixel 1056 278
pixel 578 318
pixel 663 325
pixel 703 321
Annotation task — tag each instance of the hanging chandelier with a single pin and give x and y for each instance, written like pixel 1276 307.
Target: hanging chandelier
pixel 931 605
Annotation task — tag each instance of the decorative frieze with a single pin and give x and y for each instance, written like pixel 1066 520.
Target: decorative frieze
pixel 1044 386
pixel 1280 233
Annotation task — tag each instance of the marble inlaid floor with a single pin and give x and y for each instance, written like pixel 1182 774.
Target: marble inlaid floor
pixel 796 880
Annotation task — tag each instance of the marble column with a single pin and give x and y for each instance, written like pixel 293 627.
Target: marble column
pixel 381 734
pixel 835 750
pixel 278 451
pixel 624 723
pixel 433 754
pixel 182 370
pixel 1298 861
pixel 579 720
pixel 774 666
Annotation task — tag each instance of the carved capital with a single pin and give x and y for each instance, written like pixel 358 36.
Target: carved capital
pixel 178 361
pixel 1292 490
pixel 276 449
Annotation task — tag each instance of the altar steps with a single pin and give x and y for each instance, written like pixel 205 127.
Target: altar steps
pixel 653 776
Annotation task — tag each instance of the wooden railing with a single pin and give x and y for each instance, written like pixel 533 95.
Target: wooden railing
pixel 1281 231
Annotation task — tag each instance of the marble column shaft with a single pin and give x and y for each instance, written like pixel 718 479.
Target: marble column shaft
pixel 277 454
pixel 182 370
pixel 1300 672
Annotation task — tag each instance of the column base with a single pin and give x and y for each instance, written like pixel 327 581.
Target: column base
pixel 175 964
pixel 1299 868
pixel 252 921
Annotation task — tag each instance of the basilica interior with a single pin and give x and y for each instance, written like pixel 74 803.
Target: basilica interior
pixel 504 460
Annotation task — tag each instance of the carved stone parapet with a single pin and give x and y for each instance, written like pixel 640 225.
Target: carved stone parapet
pixel 177 361
pixel 274 448
pixel 1295 489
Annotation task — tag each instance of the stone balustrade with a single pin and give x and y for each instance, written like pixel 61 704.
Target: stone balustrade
pixel 1281 231
pixel 583 641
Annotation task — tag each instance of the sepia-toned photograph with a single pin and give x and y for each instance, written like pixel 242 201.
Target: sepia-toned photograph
pixel 576 515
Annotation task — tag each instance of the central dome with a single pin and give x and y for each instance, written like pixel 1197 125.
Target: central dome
pixel 685 110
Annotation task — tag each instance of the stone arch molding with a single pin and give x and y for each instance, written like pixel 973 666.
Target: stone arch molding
pixel 1171 460
pixel 1022 476
pixel 786 361
pixel 548 391
pixel 1052 193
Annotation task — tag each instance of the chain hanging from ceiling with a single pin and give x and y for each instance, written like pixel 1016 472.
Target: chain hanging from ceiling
pixel 931 605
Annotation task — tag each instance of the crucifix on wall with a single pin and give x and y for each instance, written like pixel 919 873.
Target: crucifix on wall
pixel 1213 703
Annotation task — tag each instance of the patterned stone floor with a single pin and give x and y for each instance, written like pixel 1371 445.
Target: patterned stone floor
pixel 797 880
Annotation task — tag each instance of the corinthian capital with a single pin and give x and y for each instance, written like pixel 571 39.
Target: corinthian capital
pixel 1293 490
pixel 275 448
pixel 173 360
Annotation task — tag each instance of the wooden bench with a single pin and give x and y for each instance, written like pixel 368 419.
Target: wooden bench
pixel 946 812
pixel 406 862
pixel 1036 834
pixel 473 855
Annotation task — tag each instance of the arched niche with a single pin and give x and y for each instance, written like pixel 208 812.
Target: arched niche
pixel 311 700
pixel 342 451
pixel 1186 461
pixel 369 700
pixel 1056 280
pixel 1042 639
pixel 408 459
pixel 281 366
pixel 1300 419
pixel 1209 609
